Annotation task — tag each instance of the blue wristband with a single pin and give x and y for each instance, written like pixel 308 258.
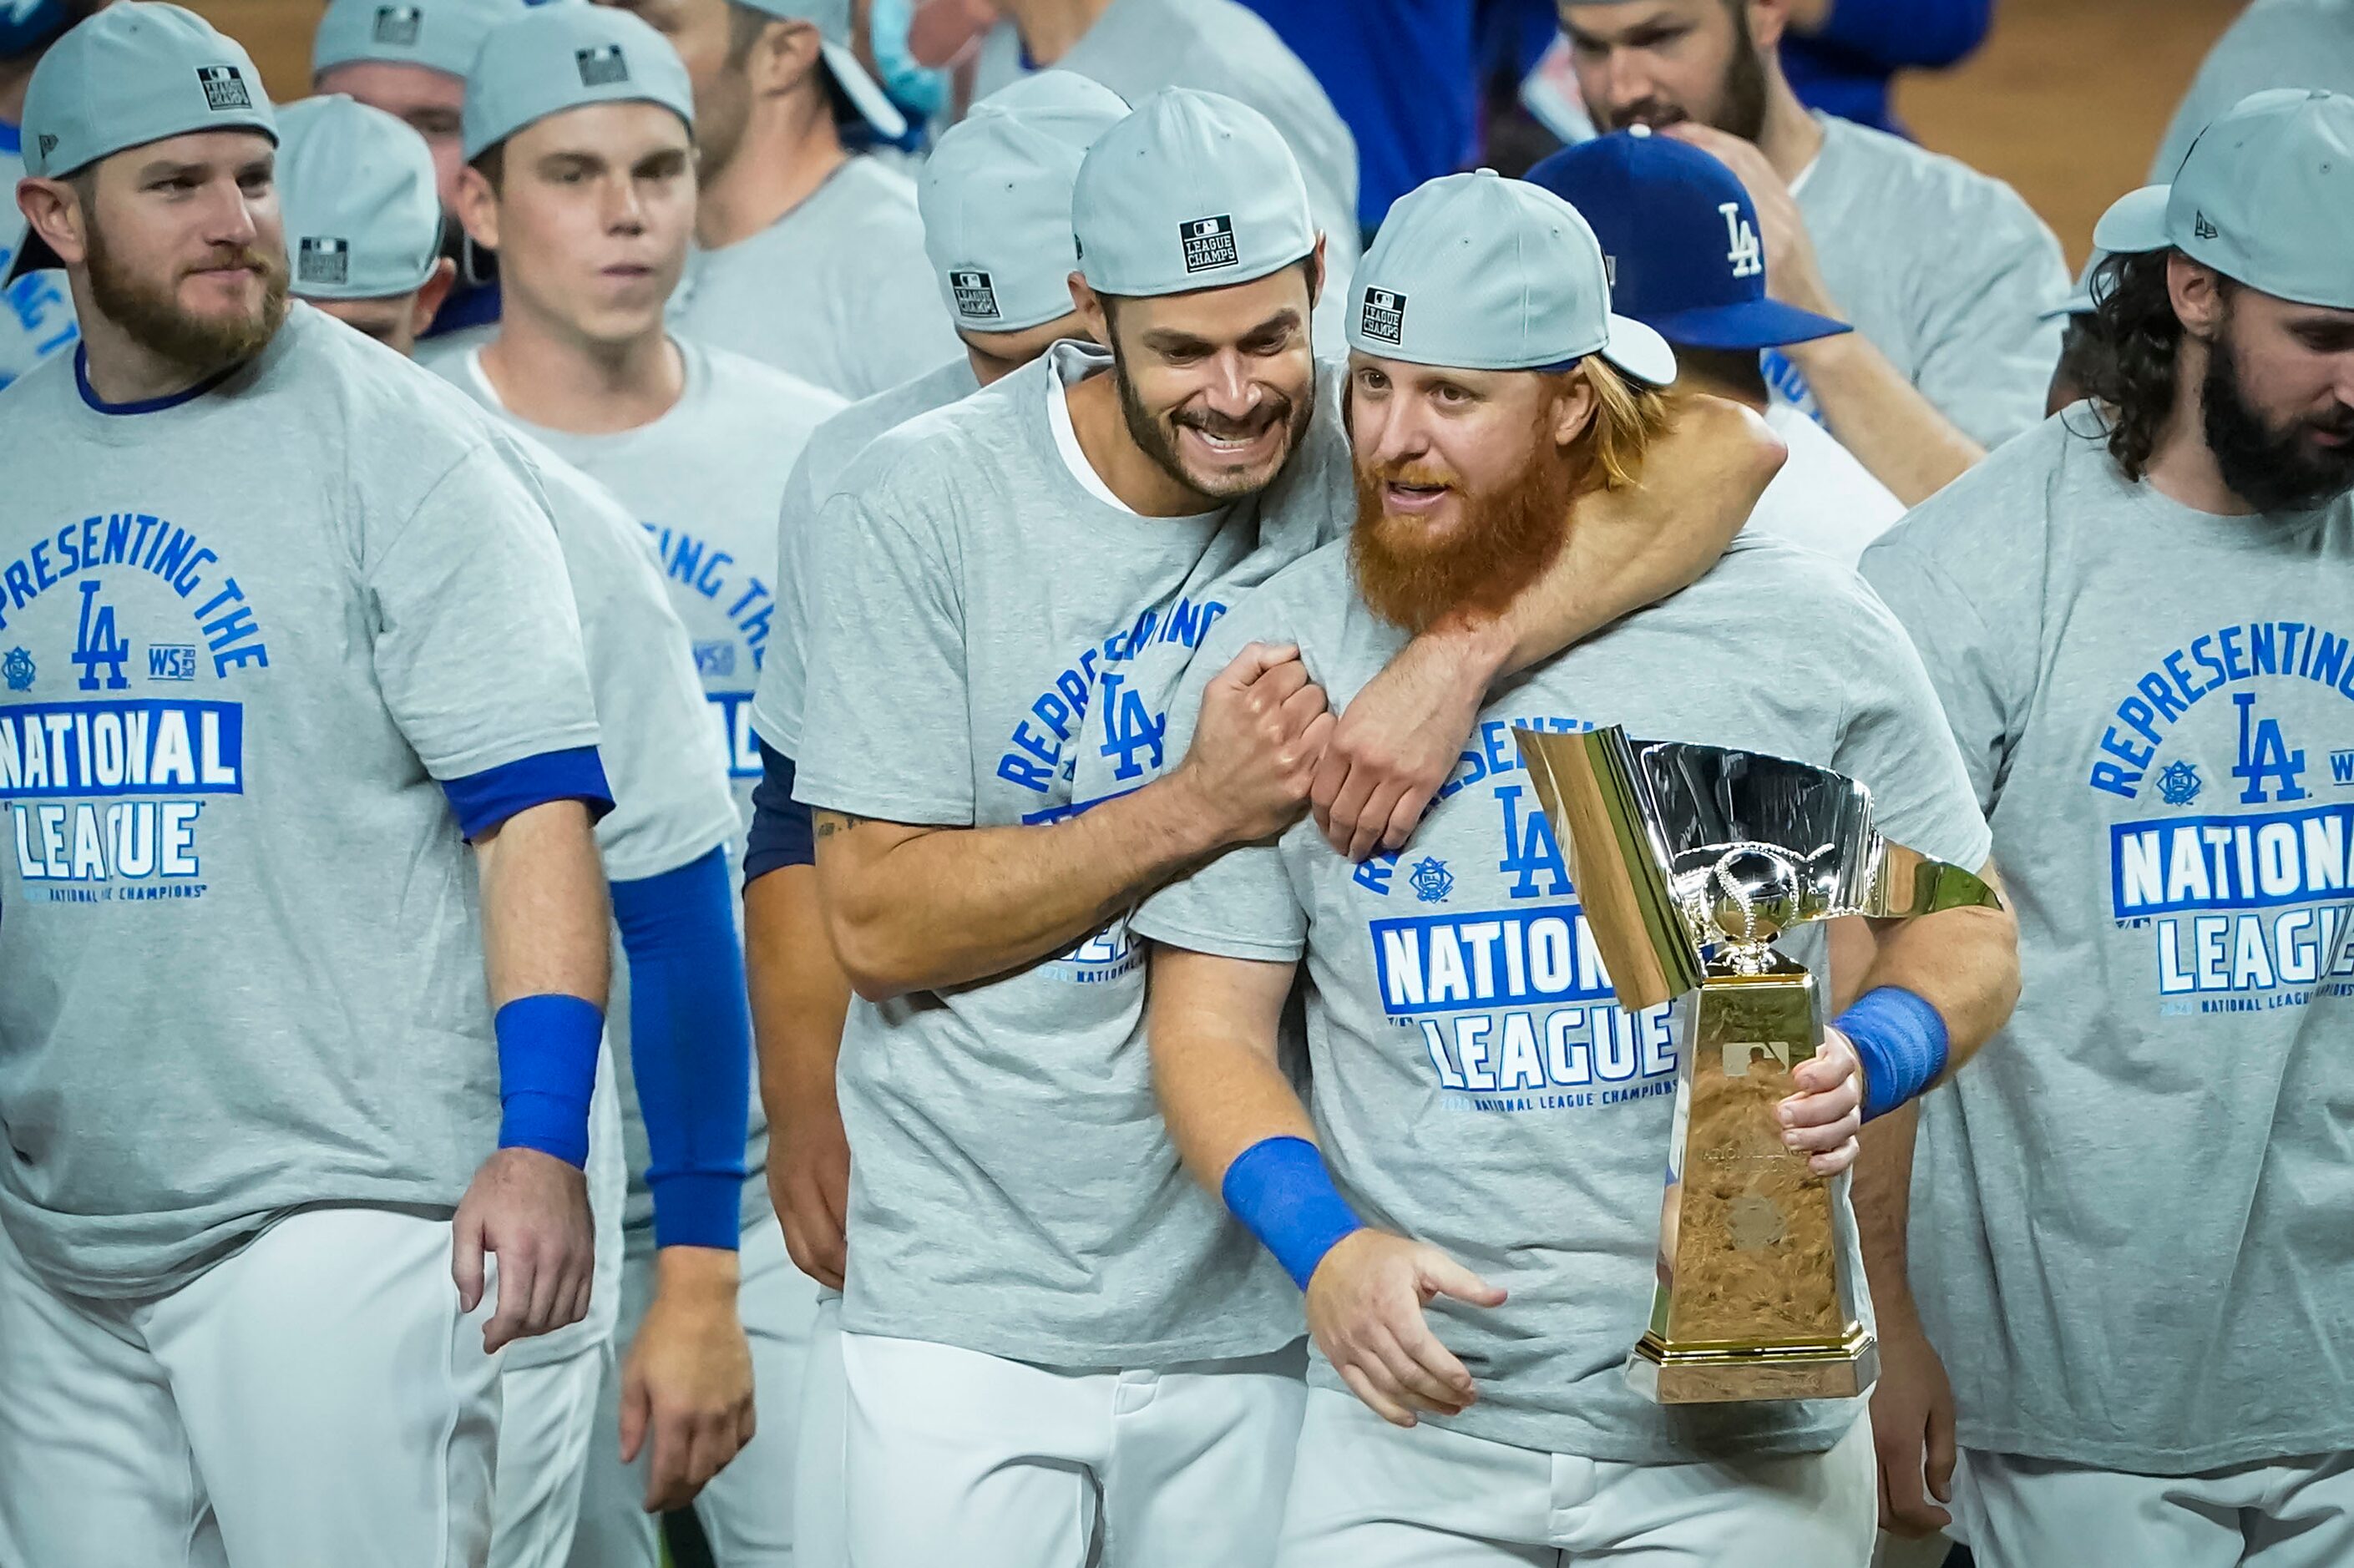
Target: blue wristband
pixel 1280 1188
pixel 1901 1042
pixel 547 1070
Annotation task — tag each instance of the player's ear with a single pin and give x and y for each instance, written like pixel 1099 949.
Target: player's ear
pixel 1768 20
pixel 1573 404
pixel 430 294
pixel 54 210
pixel 783 56
pixel 2196 292
pixel 1090 308
pixel 478 207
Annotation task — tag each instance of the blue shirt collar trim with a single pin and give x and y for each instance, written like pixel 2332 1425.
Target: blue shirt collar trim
pixel 145 404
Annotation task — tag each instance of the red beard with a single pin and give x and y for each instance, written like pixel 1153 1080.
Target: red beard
pixel 1501 543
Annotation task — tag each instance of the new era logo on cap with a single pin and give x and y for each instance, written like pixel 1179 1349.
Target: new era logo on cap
pixel 1209 242
pixel 603 66
pixel 224 87
pixel 2200 227
pixel 398 26
pixel 323 260
pixel 1384 315
pixel 976 296
pixel 48 144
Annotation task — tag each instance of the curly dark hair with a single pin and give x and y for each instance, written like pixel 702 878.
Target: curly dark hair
pixel 2131 341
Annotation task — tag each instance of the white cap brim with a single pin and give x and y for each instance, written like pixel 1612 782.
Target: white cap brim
pixel 868 99
pixel 2135 222
pixel 1640 352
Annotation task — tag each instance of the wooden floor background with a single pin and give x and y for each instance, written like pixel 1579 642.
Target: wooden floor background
pixel 2066 100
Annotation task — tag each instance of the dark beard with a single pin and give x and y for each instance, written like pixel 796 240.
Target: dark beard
pixel 1741 110
pixel 2272 470
pixel 154 320
pixel 1503 543
pixel 1159 442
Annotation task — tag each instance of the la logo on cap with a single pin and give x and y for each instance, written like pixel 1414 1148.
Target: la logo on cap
pixel 320 259
pixel 398 26
pixel 1749 257
pixel 976 296
pixel 1382 317
pixel 224 87
pixel 1209 242
pixel 603 66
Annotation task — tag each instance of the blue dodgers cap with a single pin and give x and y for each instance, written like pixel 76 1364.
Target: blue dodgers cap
pixel 1680 236
pixel 27 24
pixel 355 186
pixel 565 56
pixel 440 34
pixel 996 200
pixel 2266 196
pixel 1194 190
pixel 136 73
pixel 1478 273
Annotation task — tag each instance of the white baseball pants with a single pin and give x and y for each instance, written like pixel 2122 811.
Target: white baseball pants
pixel 821 1505
pixel 2016 1512
pixel 1369 1495
pixel 747 1511
pixel 957 1457
pixel 317 1398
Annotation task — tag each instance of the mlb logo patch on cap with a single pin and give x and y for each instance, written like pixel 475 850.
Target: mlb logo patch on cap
pixel 323 260
pixel 224 87
pixel 398 26
pixel 603 66
pixel 976 296
pixel 1384 316
pixel 1209 243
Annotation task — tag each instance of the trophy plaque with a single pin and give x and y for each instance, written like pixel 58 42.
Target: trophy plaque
pixel 1689 861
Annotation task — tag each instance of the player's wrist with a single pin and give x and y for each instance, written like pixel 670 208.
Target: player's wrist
pixel 1900 1045
pixel 547 1049
pixel 1190 820
pixel 1280 1191
pixel 698 1274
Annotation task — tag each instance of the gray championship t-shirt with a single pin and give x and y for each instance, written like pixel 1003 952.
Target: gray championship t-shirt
pixel 245 636
pixel 1945 269
pixel 704 478
pixel 1474 1086
pixel 1013 1190
pixel 1139 46
pixel 2130 1237
pixel 2275 42
pixel 837 292
pixel 777 701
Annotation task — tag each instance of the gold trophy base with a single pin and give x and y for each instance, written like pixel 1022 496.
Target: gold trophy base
pixel 1701 1375
pixel 1753 1302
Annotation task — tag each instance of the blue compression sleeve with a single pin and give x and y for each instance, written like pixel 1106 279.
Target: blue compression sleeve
pixel 1902 1041
pixel 1280 1188
pixel 483 801
pixel 784 831
pixel 690 1047
pixel 547 1070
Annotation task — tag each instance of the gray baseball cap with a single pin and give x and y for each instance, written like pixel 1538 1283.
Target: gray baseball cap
pixel 440 34
pixel 2266 196
pixel 1478 273
pixel 355 187
pixel 563 56
pixel 135 73
pixel 996 199
pixel 832 19
pixel 1192 191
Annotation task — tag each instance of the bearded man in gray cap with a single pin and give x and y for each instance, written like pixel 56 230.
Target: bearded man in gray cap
pixel 809 253
pixel 1467 1401
pixel 285 633
pixel 363 225
pixel 1042 1353
pixel 2128 1243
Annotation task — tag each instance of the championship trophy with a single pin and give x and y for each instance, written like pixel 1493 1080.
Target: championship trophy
pixel 1688 862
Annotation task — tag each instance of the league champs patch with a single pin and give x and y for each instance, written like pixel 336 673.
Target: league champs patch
pixel 976 295
pixel 1382 317
pixel 603 66
pixel 1209 242
pixel 398 26
pixel 224 87
pixel 323 260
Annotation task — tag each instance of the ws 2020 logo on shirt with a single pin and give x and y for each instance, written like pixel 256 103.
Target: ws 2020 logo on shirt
pixel 118 635
pixel 2238 747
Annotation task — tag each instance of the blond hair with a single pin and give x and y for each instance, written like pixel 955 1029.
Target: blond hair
pixel 1628 415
